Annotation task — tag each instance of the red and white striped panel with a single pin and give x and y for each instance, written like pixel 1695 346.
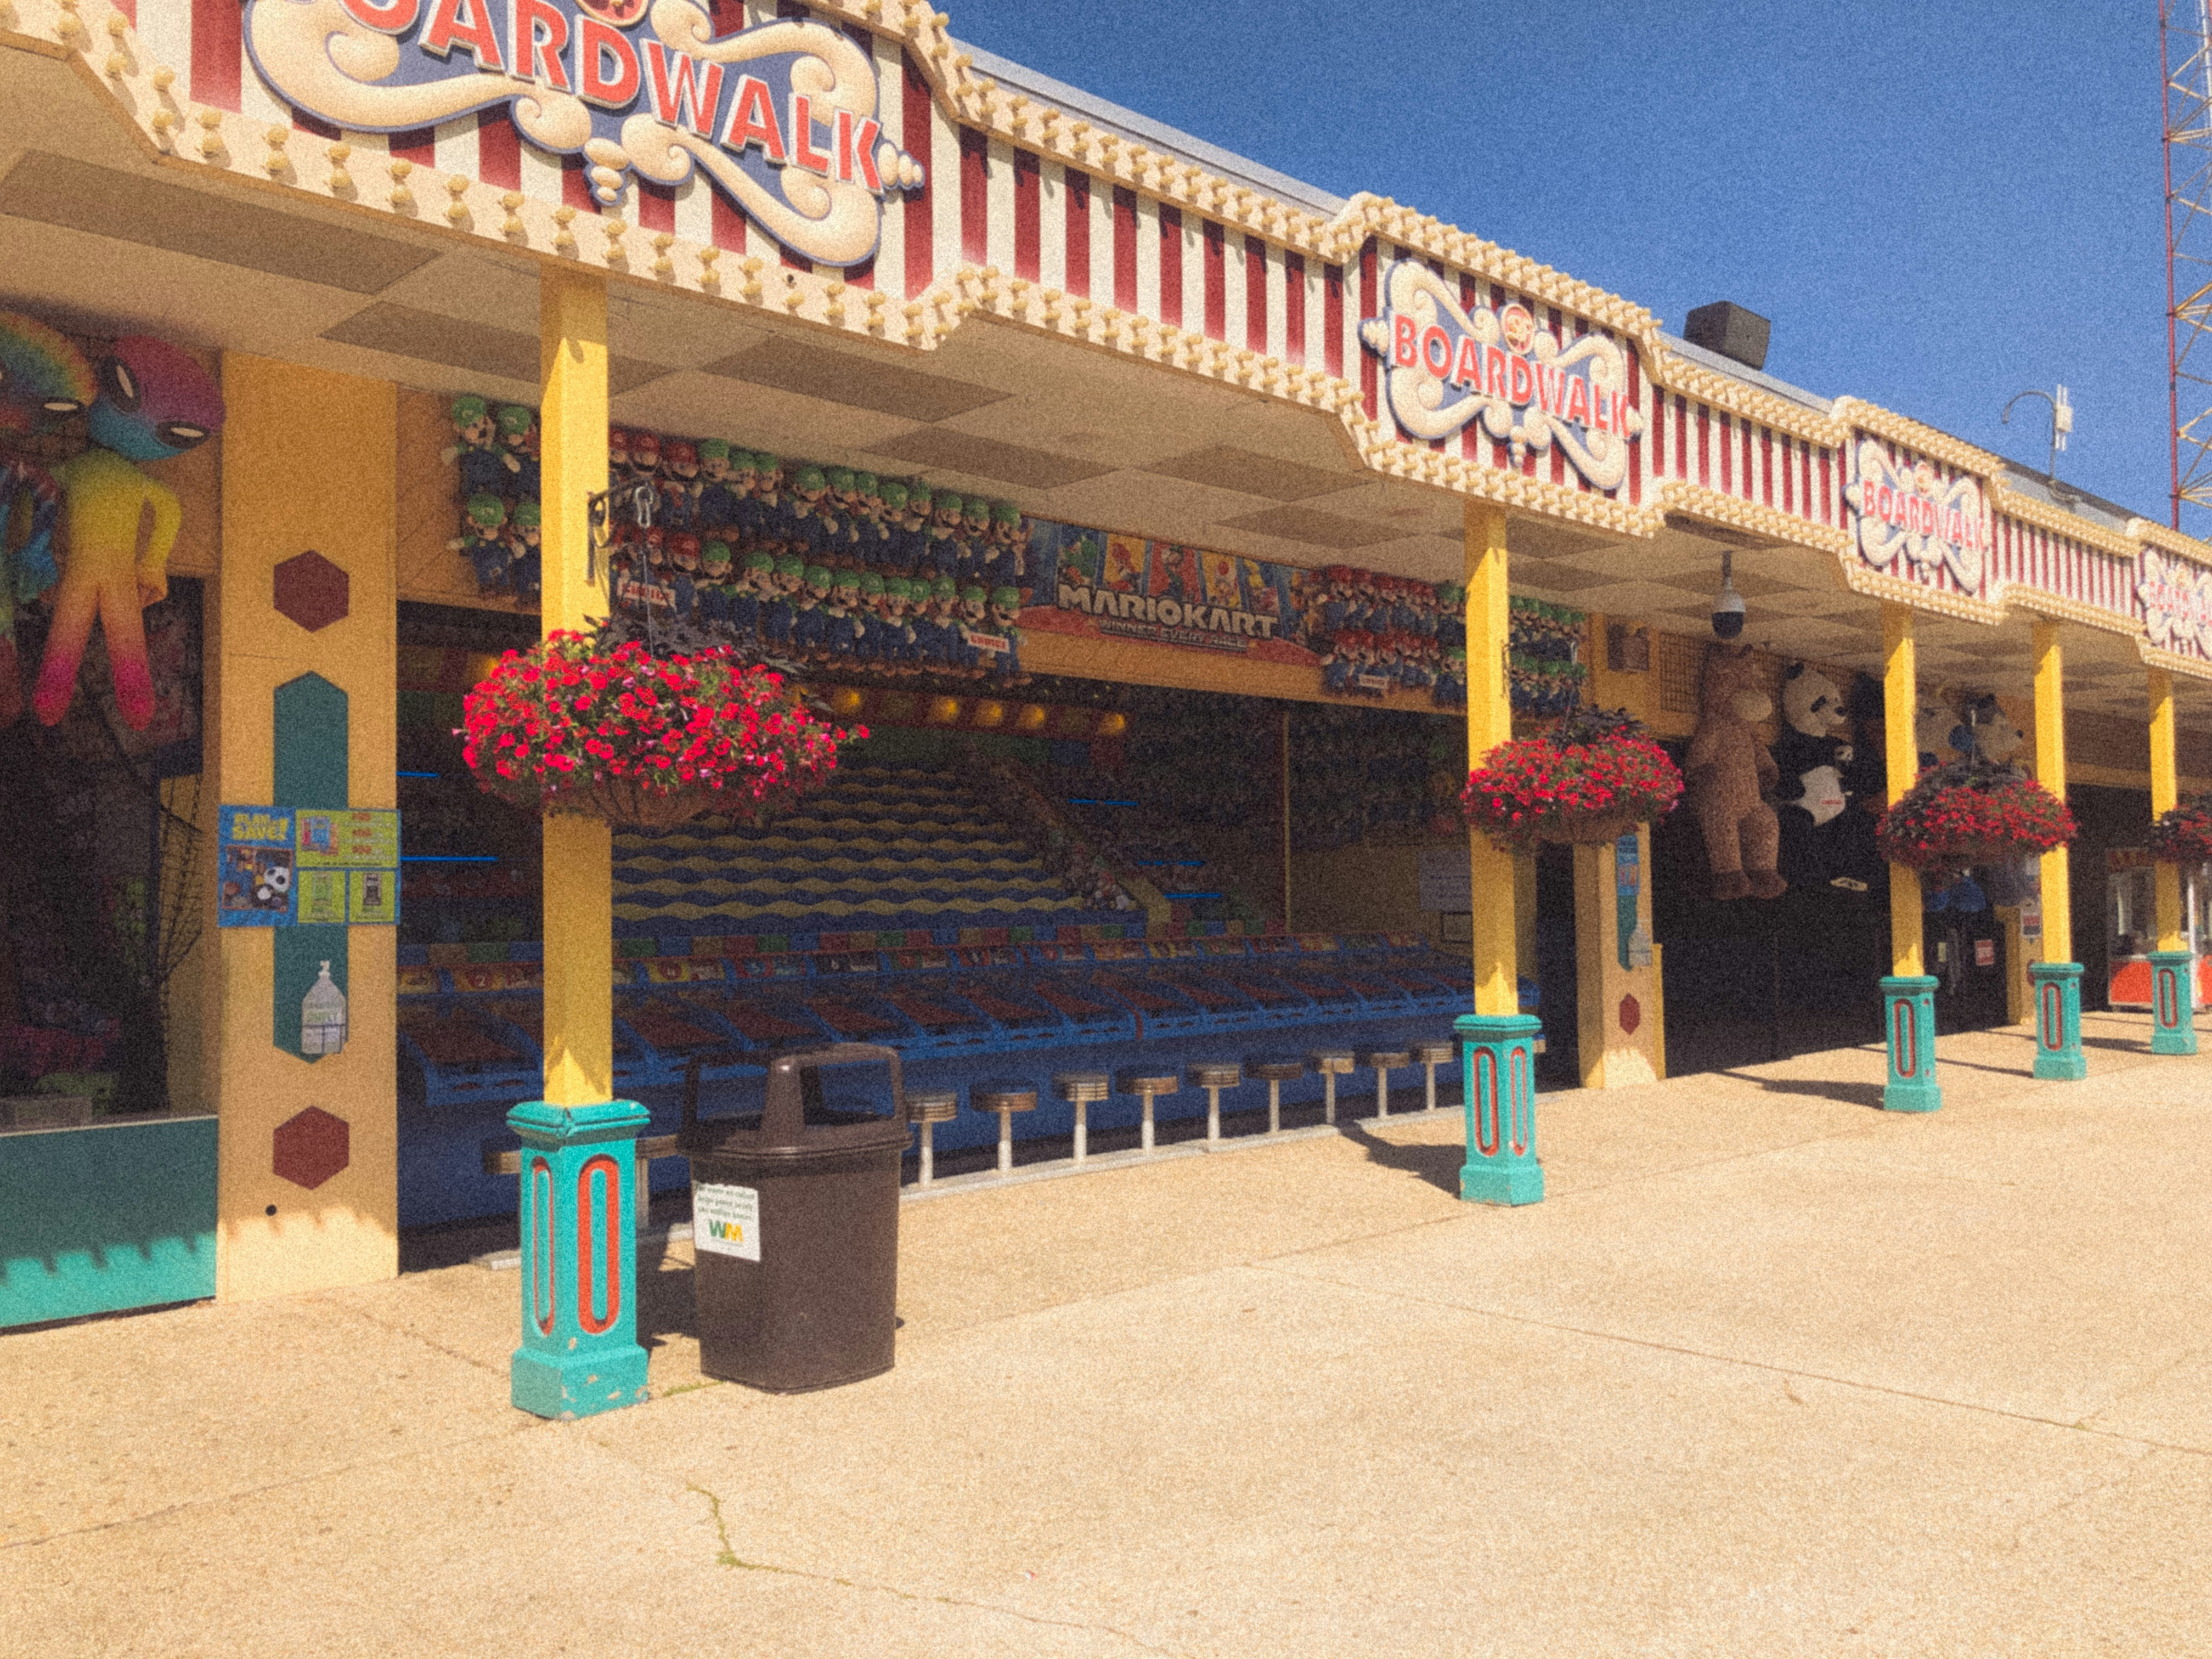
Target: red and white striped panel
pixel 2044 562
pixel 1693 442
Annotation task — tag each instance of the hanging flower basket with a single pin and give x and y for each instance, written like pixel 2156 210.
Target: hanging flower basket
pixel 645 742
pixel 2183 833
pixel 1590 779
pixel 1969 813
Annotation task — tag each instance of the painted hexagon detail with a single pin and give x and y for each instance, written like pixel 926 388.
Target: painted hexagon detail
pixel 312 1146
pixel 312 590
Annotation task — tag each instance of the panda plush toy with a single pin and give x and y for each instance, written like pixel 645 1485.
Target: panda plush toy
pixel 1811 754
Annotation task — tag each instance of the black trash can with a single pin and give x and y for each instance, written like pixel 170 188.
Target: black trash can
pixel 794 1227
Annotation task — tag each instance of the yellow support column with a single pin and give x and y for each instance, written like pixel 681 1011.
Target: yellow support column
pixel 1908 994
pixel 580 1352
pixel 306 706
pixel 2057 977
pixel 1496 1042
pixel 578 851
pixel 1620 1039
pixel 2172 965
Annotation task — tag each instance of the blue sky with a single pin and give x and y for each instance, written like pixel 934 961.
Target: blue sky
pixel 1939 205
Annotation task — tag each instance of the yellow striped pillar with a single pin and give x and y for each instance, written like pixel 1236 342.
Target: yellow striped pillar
pixel 2057 977
pixel 306 714
pixel 579 1353
pixel 1497 1040
pixel 1620 1037
pixel 1908 993
pixel 2172 965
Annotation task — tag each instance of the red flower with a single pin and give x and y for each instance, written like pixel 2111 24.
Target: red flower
pixel 548 727
pixel 1593 770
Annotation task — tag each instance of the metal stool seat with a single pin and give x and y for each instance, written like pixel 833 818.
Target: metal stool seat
pixel 1079 1089
pixel 929 1108
pixel 1438 1051
pixel 1383 1060
pixel 1274 1073
pixel 1149 1083
pixel 1331 1064
pixel 1214 1076
pixel 1006 1099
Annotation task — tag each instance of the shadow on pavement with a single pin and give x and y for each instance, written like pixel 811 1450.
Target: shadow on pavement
pixel 1849 1094
pixel 1438 1165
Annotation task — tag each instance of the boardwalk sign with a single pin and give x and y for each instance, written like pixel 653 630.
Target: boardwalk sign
pixel 783 119
pixel 1532 389
pixel 1912 521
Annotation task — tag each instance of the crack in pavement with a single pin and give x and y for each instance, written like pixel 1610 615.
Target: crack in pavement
pixel 1767 1366
pixel 728 1556
pixel 386 1325
pixel 289 1480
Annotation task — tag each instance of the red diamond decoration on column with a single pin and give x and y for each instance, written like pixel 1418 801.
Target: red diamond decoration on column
pixel 1631 1015
pixel 312 1146
pixel 312 590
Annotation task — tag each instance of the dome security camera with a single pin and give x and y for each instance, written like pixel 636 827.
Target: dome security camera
pixel 1728 611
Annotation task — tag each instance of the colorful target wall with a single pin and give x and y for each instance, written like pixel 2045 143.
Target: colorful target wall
pixel 835 231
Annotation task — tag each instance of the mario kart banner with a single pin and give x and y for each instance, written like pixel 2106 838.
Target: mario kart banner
pixel 1369 634
pixel 1168 593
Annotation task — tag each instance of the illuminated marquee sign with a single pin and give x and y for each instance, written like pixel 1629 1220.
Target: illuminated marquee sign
pixel 2177 602
pixel 1913 522
pixel 781 118
pixel 1530 389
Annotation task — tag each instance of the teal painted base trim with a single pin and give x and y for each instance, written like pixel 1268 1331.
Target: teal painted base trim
pixel 1908 1003
pixel 2172 1002
pixel 2059 1054
pixel 106 1218
pixel 580 1354
pixel 1498 1062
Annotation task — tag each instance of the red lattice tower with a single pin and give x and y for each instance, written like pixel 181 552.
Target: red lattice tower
pixel 2185 44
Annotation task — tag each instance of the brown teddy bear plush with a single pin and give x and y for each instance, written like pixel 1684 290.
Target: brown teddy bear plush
pixel 1729 770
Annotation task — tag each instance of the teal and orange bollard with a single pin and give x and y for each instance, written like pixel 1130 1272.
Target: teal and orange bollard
pixel 2057 987
pixel 1497 1057
pixel 1908 1002
pixel 2173 1002
pixel 579 1353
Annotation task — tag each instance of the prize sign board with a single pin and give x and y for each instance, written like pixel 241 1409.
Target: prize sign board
pixel 782 118
pixel 286 867
pixel 1532 389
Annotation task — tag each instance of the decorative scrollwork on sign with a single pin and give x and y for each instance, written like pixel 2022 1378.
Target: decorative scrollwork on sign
pixel 2177 602
pixel 1907 510
pixel 1530 390
pixel 781 118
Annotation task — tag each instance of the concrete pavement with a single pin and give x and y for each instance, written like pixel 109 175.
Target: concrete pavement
pixel 1769 1372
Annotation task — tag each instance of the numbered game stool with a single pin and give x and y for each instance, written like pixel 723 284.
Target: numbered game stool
pixel 1275 1073
pixel 1149 1084
pixel 1006 1098
pixel 1079 1089
pixel 1438 1051
pixel 1383 1060
pixel 1331 1064
pixel 929 1108
pixel 1214 1076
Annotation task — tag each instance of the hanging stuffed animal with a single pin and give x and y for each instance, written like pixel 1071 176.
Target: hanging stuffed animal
pixel 1729 771
pixel 154 402
pixel 1996 738
pixel 44 380
pixel 1810 755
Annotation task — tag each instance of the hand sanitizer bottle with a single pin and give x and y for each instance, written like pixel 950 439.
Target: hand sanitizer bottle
pixel 323 1017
